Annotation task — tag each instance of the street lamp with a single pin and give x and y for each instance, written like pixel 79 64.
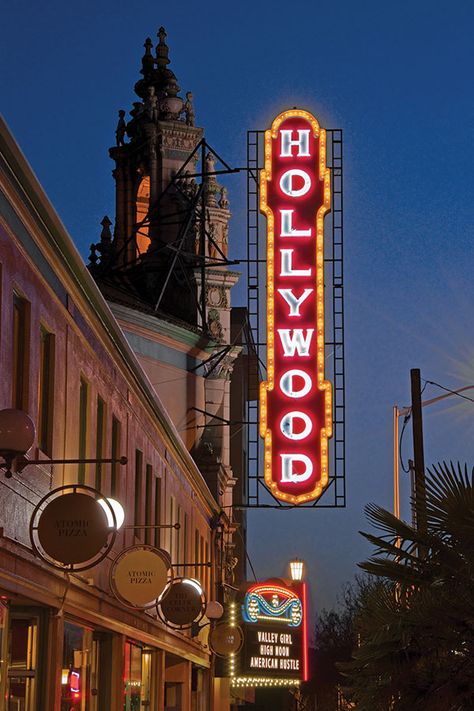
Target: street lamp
pixel 406 412
pixel 117 508
pixel 17 434
pixel 296 570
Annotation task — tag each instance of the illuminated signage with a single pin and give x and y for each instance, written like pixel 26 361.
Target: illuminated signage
pixel 274 651
pixel 295 400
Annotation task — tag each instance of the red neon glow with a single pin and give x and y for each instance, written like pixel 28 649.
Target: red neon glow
pixel 305 634
pixel 75 682
pixel 265 589
pixel 295 401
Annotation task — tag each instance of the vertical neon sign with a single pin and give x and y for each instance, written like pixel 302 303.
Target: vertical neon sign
pixel 295 400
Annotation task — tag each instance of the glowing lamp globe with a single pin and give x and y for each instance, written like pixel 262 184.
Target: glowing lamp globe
pixel 117 508
pixel 296 569
pixel 193 583
pixel 17 434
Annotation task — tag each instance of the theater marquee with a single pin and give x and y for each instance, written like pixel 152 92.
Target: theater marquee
pixel 295 400
pixel 274 652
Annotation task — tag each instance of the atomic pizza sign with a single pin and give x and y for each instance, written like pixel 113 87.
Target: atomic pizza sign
pixel 295 400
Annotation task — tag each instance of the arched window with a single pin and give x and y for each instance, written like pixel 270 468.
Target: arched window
pixel 143 204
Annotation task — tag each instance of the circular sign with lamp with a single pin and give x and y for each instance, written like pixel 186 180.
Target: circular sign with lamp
pixel 226 639
pixel 182 602
pixel 71 530
pixel 139 575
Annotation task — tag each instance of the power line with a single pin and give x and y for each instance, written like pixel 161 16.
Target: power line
pixel 448 390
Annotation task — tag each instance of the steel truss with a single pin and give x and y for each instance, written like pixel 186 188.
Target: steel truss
pixel 193 209
pixel 259 495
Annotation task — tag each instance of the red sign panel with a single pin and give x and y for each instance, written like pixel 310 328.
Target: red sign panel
pixel 295 400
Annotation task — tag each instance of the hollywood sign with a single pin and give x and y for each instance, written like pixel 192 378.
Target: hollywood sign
pixel 295 400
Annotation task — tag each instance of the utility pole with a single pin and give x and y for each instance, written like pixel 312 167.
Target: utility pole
pixel 419 457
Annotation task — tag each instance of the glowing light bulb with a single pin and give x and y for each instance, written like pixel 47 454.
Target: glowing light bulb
pixel 117 508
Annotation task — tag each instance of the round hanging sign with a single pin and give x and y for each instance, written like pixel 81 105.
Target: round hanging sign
pixel 182 603
pixel 72 529
pixel 226 639
pixel 139 575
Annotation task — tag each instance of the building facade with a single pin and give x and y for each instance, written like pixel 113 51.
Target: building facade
pixel 132 357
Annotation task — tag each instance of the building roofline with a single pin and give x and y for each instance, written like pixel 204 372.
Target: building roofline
pixel 27 185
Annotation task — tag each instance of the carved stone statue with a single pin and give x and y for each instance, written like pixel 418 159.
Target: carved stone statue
pixel 137 110
pixel 224 200
pixel 151 105
pixel 225 240
pixel 213 250
pixel 210 164
pixel 121 129
pixel 189 109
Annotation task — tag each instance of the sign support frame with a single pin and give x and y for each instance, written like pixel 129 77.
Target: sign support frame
pixel 334 495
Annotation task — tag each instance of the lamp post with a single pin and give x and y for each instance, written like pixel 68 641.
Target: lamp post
pixel 296 570
pixel 17 434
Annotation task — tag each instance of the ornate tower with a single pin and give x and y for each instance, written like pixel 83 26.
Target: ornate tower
pixel 164 270
pixel 160 242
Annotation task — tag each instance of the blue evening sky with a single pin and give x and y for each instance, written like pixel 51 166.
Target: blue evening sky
pixel 397 78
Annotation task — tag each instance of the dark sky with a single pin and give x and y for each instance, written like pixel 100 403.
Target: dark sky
pixel 397 78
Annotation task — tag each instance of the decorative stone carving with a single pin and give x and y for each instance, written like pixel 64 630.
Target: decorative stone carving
pixel 138 109
pixel 214 325
pixel 161 34
pixel 221 370
pixel 224 201
pixel 217 296
pixel 189 109
pixel 93 255
pixel 211 186
pixel 151 105
pixel 230 564
pixel 178 139
pixel 121 129
pixel 225 240
pixel 213 241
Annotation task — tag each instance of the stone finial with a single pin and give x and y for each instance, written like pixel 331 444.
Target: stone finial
pixel 121 129
pixel 162 50
pixel 161 34
pixel 211 186
pixel 93 255
pixel 106 223
pixel 148 62
pixel 105 244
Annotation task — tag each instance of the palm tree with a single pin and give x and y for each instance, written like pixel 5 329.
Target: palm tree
pixel 416 627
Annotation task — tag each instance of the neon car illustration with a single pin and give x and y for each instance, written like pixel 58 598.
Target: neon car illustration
pixel 272 603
